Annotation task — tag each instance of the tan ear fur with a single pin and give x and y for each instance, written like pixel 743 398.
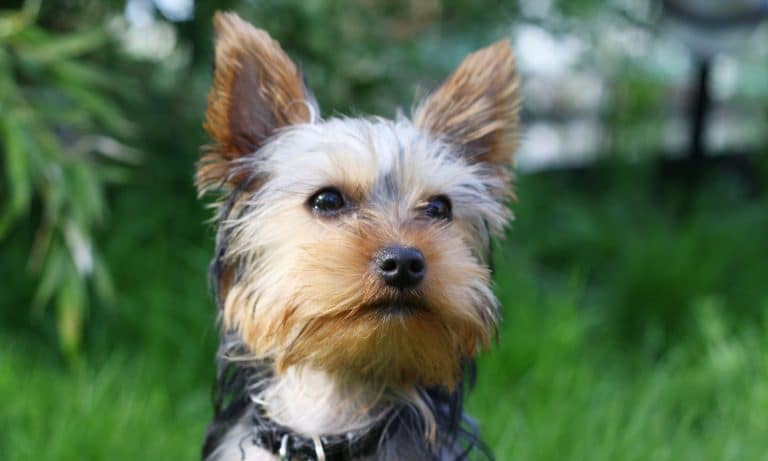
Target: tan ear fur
pixel 256 90
pixel 477 107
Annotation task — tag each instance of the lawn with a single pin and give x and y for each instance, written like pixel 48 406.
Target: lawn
pixel 635 328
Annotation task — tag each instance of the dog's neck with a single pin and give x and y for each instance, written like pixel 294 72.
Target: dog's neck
pixel 313 402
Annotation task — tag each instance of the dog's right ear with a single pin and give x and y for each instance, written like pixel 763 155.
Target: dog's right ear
pixel 256 90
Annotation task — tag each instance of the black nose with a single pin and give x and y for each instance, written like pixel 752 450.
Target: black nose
pixel 400 267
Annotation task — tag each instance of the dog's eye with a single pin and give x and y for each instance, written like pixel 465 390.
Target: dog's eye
pixel 327 202
pixel 439 208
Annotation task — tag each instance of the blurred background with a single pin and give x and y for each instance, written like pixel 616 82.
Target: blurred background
pixel 634 277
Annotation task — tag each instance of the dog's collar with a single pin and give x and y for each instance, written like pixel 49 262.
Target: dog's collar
pixel 288 445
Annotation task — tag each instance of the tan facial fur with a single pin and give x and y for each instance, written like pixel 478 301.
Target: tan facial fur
pixel 301 289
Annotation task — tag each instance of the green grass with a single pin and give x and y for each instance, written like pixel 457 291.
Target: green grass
pixel 552 390
pixel 635 328
pixel 119 409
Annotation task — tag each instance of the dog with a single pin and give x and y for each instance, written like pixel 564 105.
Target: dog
pixel 351 268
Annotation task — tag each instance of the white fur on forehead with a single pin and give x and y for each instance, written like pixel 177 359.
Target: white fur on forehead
pixel 362 153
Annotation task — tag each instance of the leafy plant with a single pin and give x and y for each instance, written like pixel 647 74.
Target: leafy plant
pixel 59 125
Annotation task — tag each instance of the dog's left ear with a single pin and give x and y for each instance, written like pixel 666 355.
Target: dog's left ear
pixel 257 90
pixel 477 107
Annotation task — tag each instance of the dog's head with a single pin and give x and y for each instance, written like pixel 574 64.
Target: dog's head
pixel 357 246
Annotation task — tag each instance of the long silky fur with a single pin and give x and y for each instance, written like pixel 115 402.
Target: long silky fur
pixel 270 153
pixel 237 381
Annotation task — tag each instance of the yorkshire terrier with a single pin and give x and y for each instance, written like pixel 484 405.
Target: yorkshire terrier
pixel 352 258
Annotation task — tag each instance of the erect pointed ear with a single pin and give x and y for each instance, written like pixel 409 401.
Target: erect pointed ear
pixel 256 90
pixel 477 107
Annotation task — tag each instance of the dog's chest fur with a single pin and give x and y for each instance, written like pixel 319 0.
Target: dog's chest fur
pixel 311 403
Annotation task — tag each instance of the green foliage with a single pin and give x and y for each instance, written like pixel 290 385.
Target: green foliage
pixel 58 123
pixel 649 258
pixel 634 128
pixel 388 46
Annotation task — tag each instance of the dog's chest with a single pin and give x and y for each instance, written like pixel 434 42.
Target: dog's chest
pixel 311 402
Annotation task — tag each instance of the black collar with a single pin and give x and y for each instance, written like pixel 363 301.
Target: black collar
pixel 288 445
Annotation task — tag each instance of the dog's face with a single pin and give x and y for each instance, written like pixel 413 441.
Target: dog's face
pixel 357 246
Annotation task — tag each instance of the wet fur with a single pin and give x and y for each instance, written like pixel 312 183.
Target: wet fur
pixel 307 327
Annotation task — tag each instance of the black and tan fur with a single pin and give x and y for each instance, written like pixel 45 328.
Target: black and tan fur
pixel 309 330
